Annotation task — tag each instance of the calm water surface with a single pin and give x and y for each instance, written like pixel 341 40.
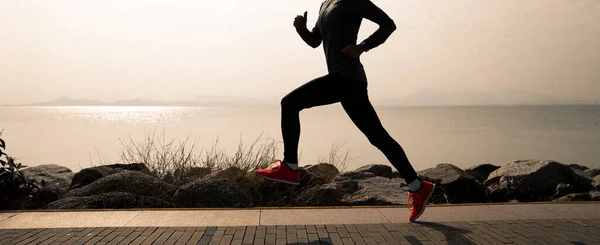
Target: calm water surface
pixel 77 137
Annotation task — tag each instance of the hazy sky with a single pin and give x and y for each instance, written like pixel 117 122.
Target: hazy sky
pixel 170 50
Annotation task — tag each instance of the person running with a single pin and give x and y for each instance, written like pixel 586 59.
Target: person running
pixel 337 28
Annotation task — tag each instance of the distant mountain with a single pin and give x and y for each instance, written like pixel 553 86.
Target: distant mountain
pixel 199 100
pixel 63 101
pixel 471 97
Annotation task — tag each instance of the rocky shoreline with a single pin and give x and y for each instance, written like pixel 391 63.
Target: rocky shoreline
pixel 134 186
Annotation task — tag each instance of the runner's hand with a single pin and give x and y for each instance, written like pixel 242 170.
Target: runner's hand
pixel 300 21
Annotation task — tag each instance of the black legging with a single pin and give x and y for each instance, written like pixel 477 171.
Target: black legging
pixel 353 96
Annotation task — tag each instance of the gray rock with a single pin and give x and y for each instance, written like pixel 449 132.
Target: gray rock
pixel 454 185
pixel 563 190
pixel 324 170
pixel 89 175
pixel 367 191
pixel 111 200
pixel 481 171
pixel 595 195
pixel 377 169
pixel 214 193
pixel 574 197
pixel 396 174
pixel 55 177
pixel 133 182
pixel 532 180
pixel 56 181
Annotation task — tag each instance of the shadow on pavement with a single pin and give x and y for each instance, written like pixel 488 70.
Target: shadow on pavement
pixel 451 233
pixel 443 232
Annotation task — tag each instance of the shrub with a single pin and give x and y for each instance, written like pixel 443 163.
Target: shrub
pixel 167 160
pixel 172 160
pixel 179 162
pixel 16 192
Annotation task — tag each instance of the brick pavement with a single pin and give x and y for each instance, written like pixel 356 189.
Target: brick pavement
pixel 536 231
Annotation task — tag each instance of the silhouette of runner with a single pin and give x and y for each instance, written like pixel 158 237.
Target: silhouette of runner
pixel 346 82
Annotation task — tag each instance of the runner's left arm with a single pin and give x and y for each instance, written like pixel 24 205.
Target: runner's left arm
pixel 370 11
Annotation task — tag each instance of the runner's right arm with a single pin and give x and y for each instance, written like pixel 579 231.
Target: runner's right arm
pixel 312 38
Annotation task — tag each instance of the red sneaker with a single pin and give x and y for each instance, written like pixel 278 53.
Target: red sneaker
pixel 280 173
pixel 418 201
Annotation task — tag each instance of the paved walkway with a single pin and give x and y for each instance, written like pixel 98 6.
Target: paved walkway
pixel 482 224
pixel 543 231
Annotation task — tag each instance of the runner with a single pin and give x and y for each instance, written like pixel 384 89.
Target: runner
pixel 346 82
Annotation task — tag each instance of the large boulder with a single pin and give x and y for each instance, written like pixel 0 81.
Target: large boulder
pixel 133 182
pixel 481 171
pixel 53 182
pixel 111 200
pixel 214 193
pixel 574 197
pixel 89 175
pixel 454 185
pixel 362 190
pixel 54 176
pixel 532 180
pixel 324 170
pixel 377 170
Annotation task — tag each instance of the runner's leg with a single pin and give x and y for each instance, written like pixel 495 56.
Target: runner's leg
pixel 320 91
pixel 361 112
